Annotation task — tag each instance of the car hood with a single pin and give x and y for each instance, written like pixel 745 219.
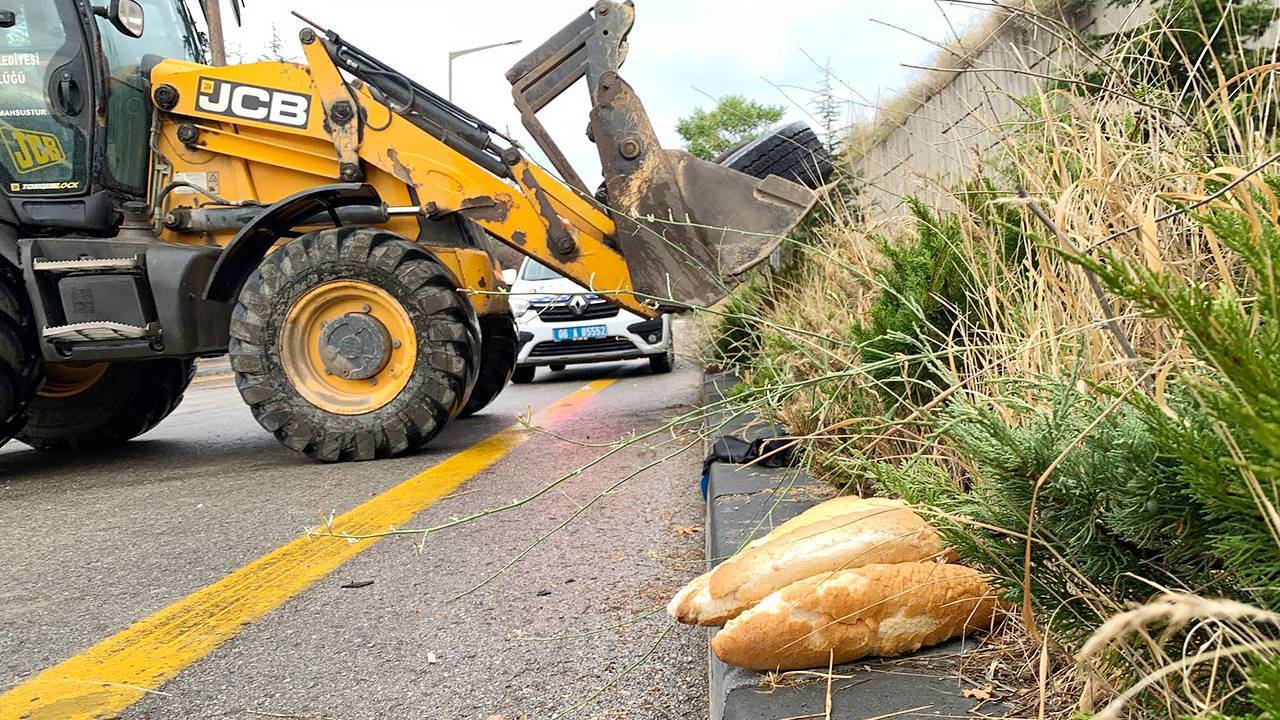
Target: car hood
pixel 558 286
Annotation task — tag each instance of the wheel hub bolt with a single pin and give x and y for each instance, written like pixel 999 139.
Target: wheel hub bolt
pixel 355 346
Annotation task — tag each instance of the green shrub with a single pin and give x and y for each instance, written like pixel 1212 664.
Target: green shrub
pixel 1235 334
pixel 735 331
pixel 1112 516
pixel 923 288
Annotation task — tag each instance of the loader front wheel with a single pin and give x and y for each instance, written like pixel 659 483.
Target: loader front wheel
pixel 499 349
pixel 353 344
pixel 100 405
pixel 19 361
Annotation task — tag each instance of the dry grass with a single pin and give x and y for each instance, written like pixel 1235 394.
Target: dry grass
pixel 1216 640
pixel 1111 162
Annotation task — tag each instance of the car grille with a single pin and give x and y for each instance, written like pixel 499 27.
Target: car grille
pixel 593 346
pixel 561 312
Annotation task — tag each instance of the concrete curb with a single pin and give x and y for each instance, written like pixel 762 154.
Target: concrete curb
pixel 745 502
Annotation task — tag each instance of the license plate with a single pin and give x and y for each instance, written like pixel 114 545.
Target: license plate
pixel 584 332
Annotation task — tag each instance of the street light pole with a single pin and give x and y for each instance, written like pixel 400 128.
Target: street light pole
pixel 455 54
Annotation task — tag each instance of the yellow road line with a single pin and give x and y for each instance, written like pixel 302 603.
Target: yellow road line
pixel 105 679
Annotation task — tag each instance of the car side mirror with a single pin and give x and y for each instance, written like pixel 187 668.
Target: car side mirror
pixel 509 276
pixel 126 15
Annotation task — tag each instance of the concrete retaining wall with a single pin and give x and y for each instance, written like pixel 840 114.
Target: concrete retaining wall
pixel 948 128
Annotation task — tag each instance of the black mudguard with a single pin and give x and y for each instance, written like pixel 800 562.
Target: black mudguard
pixel 245 252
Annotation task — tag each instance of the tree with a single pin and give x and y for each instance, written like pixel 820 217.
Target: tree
pixel 275 50
pixel 829 111
pixel 734 119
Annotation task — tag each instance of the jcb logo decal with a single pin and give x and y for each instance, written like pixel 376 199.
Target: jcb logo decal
pixel 31 151
pixel 250 102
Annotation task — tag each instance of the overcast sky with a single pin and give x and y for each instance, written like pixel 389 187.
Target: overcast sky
pixel 683 52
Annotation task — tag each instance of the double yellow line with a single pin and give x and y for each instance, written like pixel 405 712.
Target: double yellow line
pixel 107 678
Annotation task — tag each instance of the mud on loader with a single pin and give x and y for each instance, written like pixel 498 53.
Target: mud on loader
pixel 325 224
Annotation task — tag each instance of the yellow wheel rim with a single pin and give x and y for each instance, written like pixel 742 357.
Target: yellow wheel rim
pixel 348 347
pixel 63 381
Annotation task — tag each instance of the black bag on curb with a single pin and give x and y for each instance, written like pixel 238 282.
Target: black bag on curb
pixel 772 451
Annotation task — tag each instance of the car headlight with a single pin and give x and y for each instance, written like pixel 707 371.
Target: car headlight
pixel 521 304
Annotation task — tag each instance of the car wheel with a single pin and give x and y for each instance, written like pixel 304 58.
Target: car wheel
pixel 523 375
pixel 662 364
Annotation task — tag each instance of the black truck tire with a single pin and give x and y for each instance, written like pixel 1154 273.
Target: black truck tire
pixel 19 356
pixel 792 152
pixel 432 348
pixel 498 350
pixel 124 401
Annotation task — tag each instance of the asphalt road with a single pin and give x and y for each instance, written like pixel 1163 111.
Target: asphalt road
pixel 94 543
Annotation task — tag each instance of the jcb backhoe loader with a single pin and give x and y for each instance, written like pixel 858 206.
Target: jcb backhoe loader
pixel 324 223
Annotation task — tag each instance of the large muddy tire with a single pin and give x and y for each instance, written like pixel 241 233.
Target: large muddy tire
pixel 19 357
pixel 792 152
pixel 102 405
pixel 499 348
pixel 354 344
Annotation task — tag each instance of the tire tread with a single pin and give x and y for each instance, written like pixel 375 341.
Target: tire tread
pixel 793 152
pixel 19 355
pixel 449 370
pixel 499 350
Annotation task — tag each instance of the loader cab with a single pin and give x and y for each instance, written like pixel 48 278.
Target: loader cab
pixel 75 132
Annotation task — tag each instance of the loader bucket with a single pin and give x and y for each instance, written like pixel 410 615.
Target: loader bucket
pixel 689 229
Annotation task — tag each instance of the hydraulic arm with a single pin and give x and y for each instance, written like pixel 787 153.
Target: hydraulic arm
pixel 327 224
pixel 675 231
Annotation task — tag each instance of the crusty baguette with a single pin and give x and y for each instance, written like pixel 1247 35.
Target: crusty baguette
pixel 840 505
pixel 874 610
pixel 870 531
pixel 836 506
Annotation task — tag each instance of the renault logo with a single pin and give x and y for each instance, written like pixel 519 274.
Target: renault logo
pixel 578 305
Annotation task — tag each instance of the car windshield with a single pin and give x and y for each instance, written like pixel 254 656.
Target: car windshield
pixel 534 270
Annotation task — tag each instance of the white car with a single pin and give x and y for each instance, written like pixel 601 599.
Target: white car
pixel 561 323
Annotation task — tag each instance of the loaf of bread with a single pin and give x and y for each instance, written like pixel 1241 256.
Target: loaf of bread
pixel 841 505
pixel 864 532
pixel 873 610
pixel 836 506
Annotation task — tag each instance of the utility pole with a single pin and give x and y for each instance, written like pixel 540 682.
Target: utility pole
pixel 217 42
pixel 455 54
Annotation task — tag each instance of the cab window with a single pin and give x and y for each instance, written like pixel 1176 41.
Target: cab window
pixel 168 33
pixel 41 151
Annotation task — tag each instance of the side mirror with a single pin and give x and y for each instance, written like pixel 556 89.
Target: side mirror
pixel 125 15
pixel 509 276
